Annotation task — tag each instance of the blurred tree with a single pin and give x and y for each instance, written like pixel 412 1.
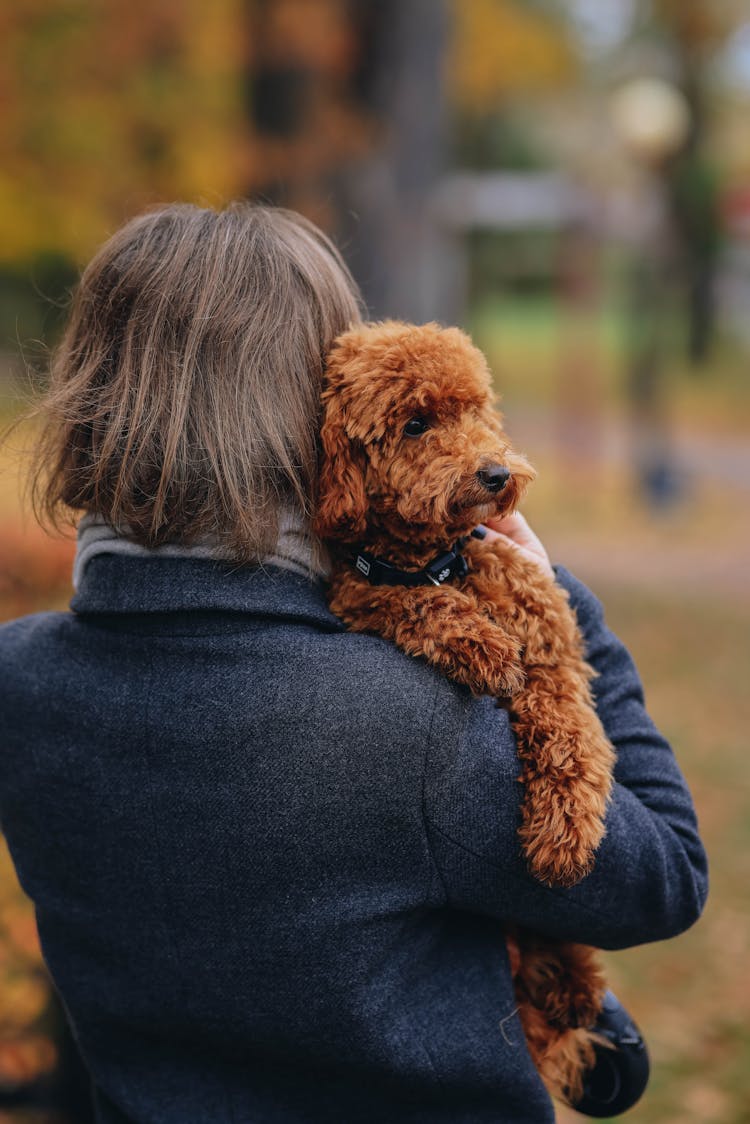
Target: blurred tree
pixel 345 102
pixel 306 121
pixel 395 243
pixel 501 49
pixel 506 60
pixel 107 107
pixel 334 107
pixel 695 30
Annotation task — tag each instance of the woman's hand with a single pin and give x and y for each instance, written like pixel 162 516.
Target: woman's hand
pixel 515 531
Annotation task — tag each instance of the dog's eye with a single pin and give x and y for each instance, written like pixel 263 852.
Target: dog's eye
pixel 415 427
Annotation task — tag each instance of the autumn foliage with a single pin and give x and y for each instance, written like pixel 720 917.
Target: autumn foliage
pixel 26 1051
pixel 34 569
pixel 34 574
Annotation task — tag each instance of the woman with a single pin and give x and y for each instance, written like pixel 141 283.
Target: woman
pixel 270 859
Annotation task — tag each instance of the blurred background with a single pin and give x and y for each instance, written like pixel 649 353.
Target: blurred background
pixel 569 180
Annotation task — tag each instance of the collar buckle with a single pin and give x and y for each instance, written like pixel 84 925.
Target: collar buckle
pixel 450 564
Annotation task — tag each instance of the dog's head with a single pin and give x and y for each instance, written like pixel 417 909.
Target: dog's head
pixel 411 442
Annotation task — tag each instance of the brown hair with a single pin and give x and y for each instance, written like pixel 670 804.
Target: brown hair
pixel 184 395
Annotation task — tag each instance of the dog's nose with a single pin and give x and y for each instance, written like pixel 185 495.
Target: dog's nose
pixel 493 477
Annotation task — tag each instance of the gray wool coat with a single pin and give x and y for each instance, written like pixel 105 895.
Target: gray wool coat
pixel 271 860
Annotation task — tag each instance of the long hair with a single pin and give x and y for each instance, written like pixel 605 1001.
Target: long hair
pixel 184 396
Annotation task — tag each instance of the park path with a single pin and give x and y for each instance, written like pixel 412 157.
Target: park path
pixel 722 458
pixel 700 546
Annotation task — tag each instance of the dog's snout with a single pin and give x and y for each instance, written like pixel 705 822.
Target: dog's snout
pixel 493 477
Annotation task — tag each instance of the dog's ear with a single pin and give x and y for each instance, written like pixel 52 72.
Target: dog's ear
pixel 342 500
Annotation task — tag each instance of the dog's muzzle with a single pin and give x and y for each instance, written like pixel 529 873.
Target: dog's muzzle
pixel 493 477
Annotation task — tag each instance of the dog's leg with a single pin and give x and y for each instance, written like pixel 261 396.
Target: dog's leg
pixel 567 773
pixel 566 757
pixel 559 989
pixel 567 768
pixel 464 644
pixel 445 626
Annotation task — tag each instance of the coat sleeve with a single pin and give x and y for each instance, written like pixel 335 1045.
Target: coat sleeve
pixel 649 880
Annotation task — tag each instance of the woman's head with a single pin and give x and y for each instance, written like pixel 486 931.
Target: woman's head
pixel 184 395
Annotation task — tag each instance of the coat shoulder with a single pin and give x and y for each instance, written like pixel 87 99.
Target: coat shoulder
pixel 30 636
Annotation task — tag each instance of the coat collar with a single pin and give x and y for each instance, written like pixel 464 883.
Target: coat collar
pixel 118 584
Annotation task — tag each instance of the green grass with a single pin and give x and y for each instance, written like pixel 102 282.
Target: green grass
pixel 542 352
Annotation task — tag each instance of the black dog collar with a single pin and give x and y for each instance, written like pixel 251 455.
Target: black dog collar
pixel 450 564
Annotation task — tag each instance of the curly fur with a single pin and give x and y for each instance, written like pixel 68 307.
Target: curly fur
pixel 505 630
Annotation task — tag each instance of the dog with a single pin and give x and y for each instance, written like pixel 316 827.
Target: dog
pixel 413 458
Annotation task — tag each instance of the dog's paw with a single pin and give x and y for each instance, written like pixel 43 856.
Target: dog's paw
pixel 491 666
pixel 563 980
pixel 555 868
pixel 508 683
pixel 559 851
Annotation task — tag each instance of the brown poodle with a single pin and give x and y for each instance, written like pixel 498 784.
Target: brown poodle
pixel 414 457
